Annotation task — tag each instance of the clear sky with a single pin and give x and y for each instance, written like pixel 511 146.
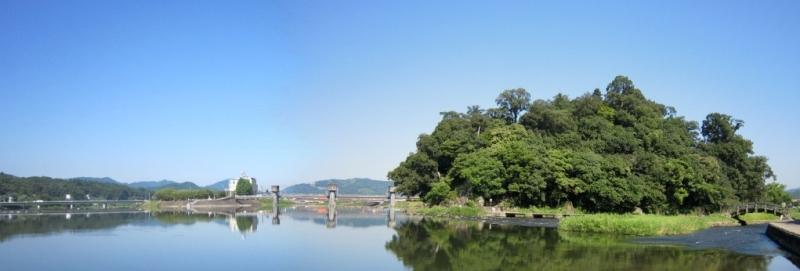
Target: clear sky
pixel 296 91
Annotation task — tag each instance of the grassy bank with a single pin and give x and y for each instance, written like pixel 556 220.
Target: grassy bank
pixel 151 205
pixel 755 218
pixel 642 225
pixel 418 208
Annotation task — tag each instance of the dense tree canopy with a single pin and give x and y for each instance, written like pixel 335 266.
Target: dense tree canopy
pixel 45 188
pixel 185 194
pixel 603 152
pixel 244 187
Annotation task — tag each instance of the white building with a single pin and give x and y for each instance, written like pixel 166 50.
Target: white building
pixel 233 182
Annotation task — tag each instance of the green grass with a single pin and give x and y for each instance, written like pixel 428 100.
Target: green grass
pixel 449 211
pixel 641 225
pixel 419 208
pixel 151 205
pixel 794 213
pixel 752 218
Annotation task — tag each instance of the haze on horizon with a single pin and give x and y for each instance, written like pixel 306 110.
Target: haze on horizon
pixel 292 91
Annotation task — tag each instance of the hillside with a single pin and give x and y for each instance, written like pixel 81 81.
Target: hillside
pixel 156 185
pixel 794 193
pixel 218 186
pixel 46 188
pixel 354 186
pixel 95 179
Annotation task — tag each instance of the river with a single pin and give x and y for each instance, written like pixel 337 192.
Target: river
pixel 311 238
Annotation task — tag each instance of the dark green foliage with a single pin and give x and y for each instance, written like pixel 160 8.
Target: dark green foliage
pixel 170 194
pixel 440 192
pixel 512 102
pixel 776 193
pixel 603 152
pixel 244 187
pixel 45 188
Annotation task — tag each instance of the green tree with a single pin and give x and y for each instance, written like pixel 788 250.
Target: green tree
pixel 611 152
pixel 776 193
pixel 513 102
pixel 244 187
pixel 440 192
pixel 415 175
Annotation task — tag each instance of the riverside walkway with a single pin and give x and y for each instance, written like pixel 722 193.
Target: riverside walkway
pixel 786 234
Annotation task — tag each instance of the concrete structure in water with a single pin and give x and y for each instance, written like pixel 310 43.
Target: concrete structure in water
pixel 786 234
pixel 392 194
pixel 331 217
pixel 276 198
pixel 332 191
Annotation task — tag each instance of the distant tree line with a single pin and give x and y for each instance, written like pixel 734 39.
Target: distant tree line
pixel 611 151
pixel 185 194
pixel 46 188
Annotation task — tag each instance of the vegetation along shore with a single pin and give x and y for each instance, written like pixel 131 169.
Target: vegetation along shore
pixel 610 153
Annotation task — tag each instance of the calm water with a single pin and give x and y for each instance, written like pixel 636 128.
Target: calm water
pixel 354 239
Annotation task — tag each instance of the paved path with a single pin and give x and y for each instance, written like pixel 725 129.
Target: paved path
pixel 786 234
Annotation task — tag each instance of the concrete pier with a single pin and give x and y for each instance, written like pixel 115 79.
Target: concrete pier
pixel 332 190
pixel 330 219
pixel 276 200
pixel 786 234
pixel 392 196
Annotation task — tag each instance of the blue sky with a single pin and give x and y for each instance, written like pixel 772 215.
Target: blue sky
pixel 296 91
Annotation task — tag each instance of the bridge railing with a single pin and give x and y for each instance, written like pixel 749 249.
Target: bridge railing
pixel 756 207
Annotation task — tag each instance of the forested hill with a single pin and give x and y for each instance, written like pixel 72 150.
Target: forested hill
pixel 162 184
pixel 46 188
pixel 611 150
pixel 354 186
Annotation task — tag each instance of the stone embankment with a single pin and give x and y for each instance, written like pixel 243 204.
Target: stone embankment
pixel 786 234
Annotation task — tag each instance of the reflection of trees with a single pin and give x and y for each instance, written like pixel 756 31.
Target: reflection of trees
pixel 246 223
pixel 51 224
pixel 432 245
pixel 182 218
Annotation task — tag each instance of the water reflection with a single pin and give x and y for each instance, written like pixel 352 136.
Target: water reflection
pixel 391 239
pixel 437 245
pixel 244 223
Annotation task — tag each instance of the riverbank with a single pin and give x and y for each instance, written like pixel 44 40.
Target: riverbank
pixel 577 221
pixel 643 225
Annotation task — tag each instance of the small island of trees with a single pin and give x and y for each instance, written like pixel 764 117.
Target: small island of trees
pixel 603 152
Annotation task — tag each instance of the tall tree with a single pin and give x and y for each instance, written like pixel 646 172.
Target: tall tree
pixel 514 101
pixel 244 187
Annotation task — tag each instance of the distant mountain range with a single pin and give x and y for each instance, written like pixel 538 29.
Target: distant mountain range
pixel 794 192
pixel 354 186
pixel 156 185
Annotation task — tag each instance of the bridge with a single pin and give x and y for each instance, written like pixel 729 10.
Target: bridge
pixel 775 209
pixel 65 202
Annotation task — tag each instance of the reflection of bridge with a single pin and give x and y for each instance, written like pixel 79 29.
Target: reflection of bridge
pixel 65 202
pixel 759 207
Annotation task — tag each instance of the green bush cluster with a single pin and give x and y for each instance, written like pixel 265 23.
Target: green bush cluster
pixel 170 194
pixel 605 152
